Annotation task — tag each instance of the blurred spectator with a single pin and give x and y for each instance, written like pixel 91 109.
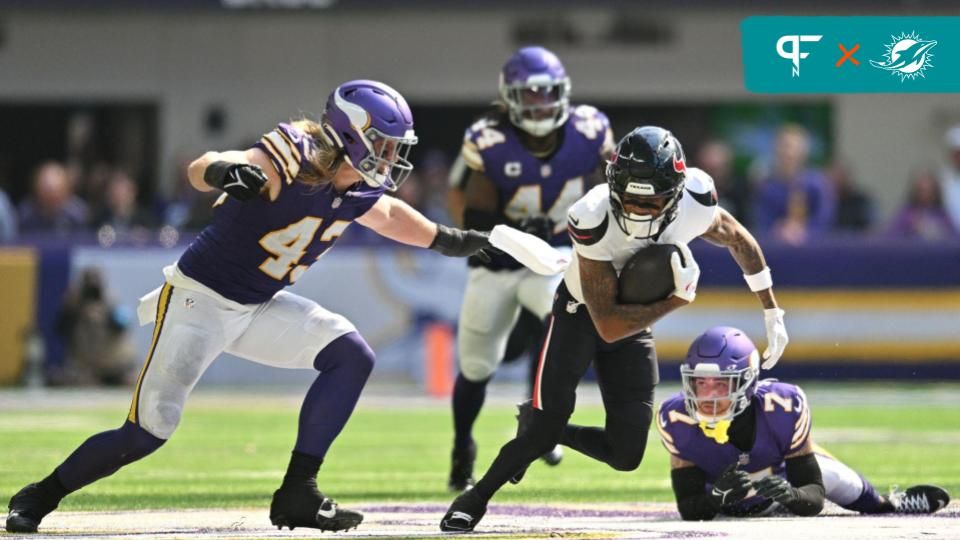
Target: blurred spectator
pixel 950 176
pixel 99 351
pixel 411 191
pixel 52 206
pixel 924 216
pixel 120 209
pixel 716 158
pixel 854 209
pixel 92 186
pixel 793 203
pixel 434 178
pixel 8 220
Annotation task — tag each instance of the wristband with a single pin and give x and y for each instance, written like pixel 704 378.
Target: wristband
pixel 760 281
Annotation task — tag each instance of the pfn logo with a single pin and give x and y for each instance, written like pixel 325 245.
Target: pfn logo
pixel 794 54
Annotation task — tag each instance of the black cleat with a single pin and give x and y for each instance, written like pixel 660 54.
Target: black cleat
pixel 461 468
pixel 921 499
pixel 464 513
pixel 305 506
pixel 27 508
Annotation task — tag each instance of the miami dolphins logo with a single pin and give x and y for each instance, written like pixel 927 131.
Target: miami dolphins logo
pixel 907 56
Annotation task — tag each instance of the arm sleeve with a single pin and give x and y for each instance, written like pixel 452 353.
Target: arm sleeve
pixel 803 473
pixel 689 487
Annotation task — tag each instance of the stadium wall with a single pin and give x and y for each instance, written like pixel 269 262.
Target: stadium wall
pixel 853 308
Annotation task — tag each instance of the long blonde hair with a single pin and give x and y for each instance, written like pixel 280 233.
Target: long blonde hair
pixel 325 160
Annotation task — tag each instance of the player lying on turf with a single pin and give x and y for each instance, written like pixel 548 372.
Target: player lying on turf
pixel 742 447
pixel 287 200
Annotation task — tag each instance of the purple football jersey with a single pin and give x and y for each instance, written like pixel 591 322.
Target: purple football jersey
pixel 530 186
pixel 255 248
pixel 783 427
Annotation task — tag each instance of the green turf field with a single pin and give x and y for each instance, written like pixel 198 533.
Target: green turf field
pixel 233 455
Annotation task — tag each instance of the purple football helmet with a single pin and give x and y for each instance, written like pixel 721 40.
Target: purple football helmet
pixel 373 125
pixel 536 89
pixel 722 352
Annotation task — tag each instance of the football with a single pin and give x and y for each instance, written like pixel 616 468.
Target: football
pixel 647 277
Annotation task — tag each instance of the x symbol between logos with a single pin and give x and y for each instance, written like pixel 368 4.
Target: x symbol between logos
pixel 847 55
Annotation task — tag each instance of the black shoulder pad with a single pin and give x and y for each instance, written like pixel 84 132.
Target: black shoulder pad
pixel 587 237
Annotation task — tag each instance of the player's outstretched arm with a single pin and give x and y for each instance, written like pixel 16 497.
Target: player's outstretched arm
pixel 394 219
pixel 727 231
pixel 613 320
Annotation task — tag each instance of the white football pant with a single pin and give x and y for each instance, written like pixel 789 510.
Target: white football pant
pixel 195 324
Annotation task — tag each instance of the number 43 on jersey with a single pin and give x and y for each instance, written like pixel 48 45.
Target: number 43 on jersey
pixel 290 244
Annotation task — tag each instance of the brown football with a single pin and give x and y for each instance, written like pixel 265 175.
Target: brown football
pixel 647 277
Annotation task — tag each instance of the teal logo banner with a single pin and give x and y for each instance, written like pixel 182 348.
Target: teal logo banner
pixel 851 54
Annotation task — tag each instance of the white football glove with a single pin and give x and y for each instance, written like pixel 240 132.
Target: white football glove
pixel 777 338
pixel 685 278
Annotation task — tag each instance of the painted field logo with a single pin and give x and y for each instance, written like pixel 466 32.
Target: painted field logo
pixel 907 56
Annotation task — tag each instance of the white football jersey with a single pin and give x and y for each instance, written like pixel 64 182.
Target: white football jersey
pixel 597 235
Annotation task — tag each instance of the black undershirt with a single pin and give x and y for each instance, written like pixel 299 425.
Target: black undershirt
pixel 743 429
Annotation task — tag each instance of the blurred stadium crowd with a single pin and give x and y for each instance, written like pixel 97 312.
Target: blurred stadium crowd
pixel 783 196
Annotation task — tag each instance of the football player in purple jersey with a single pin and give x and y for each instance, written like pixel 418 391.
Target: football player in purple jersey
pixel 741 447
pixel 525 162
pixel 285 202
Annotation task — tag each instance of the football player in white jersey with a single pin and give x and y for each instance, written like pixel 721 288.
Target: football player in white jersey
pixel 651 197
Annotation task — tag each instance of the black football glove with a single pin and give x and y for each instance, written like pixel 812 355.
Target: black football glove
pixel 539 226
pixel 454 242
pixel 241 181
pixel 776 488
pixel 731 487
